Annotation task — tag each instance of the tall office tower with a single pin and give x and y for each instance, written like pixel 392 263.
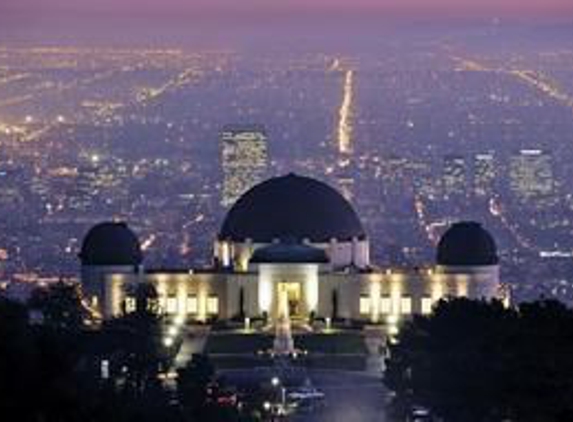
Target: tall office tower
pixel 244 159
pixel 531 174
pixel 454 176
pixel 484 174
pixel 83 195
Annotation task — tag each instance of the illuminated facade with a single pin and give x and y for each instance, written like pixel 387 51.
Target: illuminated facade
pixel 244 161
pixel 314 252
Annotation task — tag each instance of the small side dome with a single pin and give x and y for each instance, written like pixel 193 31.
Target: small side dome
pixel 111 243
pixel 467 243
pixel 289 253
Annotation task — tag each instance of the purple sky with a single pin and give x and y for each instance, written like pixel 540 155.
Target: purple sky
pixel 446 7
pixel 213 21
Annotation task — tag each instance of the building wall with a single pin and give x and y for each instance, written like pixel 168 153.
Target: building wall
pixel 94 279
pixel 372 296
pixel 404 293
pixel 236 255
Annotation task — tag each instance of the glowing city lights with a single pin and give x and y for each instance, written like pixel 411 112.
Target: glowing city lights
pixel 345 128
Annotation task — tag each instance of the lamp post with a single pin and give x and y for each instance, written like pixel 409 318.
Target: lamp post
pixel 276 382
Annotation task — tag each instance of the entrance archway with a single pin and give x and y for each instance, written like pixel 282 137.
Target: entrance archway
pixel 293 290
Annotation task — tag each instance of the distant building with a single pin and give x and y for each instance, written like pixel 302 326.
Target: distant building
pixel 484 174
pixel 244 160
pixel 298 237
pixel 454 175
pixel 531 174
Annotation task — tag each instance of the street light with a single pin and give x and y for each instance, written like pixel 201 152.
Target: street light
pixel 179 320
pixel 168 342
pixel 276 382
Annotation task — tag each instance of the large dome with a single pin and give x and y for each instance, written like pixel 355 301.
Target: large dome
pixel 291 207
pixel 289 253
pixel 111 243
pixel 465 244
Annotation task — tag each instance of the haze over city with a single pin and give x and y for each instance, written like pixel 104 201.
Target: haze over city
pixel 269 210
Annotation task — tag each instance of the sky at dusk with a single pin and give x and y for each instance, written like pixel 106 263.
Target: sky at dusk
pixel 457 7
pixel 172 20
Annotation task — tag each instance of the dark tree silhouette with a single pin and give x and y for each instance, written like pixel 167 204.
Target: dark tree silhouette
pixel 37 364
pixel 478 361
pixel 192 384
pixel 139 336
pixel 60 305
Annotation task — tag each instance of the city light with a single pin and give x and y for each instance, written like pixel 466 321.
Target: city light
pixel 345 114
pixel 368 198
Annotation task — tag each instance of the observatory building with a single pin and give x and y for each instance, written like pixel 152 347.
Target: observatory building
pixel 297 237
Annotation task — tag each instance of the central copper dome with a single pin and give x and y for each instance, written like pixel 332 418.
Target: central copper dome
pixel 291 207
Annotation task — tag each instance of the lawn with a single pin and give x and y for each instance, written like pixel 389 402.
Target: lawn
pixel 236 343
pixel 332 344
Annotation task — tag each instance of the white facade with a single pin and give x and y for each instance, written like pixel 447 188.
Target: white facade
pixel 341 254
pixel 369 296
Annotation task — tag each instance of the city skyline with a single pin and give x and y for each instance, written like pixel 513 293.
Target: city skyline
pixel 329 210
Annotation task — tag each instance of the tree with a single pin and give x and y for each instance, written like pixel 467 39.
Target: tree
pixel 140 338
pixel 478 361
pixel 60 305
pixel 17 355
pixel 192 382
pixel 37 380
pixel 146 300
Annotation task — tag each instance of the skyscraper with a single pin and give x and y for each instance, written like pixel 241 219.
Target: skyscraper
pixel 531 174
pixel 484 174
pixel 455 173
pixel 244 159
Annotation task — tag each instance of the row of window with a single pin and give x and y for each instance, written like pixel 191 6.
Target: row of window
pixel 172 305
pixel 394 306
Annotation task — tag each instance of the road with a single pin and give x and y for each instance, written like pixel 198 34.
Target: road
pixel 350 396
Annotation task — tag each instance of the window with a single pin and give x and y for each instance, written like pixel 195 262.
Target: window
pixel 130 305
pixel 385 305
pixel 171 305
pixel 406 306
pixel 427 304
pixel 364 305
pixel 192 305
pixel 213 305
